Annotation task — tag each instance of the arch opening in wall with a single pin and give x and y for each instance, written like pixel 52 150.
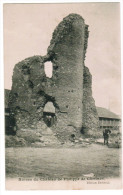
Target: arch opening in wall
pixel 48 68
pixel 49 115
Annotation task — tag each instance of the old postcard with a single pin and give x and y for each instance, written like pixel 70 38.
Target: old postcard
pixel 62 96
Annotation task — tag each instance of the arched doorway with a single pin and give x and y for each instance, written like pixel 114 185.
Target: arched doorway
pixel 49 114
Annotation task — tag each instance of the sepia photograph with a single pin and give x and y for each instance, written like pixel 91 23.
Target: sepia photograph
pixel 62 96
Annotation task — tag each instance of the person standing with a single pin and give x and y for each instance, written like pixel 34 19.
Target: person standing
pixel 106 133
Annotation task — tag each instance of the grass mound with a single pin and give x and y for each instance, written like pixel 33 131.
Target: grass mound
pixel 14 141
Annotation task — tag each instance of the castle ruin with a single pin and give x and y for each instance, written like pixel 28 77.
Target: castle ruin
pixel 69 90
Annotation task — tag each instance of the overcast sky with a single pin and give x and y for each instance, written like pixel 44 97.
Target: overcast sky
pixel 28 30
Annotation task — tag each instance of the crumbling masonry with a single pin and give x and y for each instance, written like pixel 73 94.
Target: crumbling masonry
pixel 69 89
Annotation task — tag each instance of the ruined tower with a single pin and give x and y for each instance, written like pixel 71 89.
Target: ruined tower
pixel 67 55
pixel 31 89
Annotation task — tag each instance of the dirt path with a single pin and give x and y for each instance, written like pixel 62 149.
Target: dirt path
pixel 100 160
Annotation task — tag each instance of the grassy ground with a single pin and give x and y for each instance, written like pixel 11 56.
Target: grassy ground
pixel 62 162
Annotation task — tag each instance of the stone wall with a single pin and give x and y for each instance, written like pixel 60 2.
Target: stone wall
pixel 25 101
pixel 6 95
pixel 90 124
pixel 31 89
pixel 67 52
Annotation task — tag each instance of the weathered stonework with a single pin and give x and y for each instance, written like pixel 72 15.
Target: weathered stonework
pixel 72 98
pixel 90 124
